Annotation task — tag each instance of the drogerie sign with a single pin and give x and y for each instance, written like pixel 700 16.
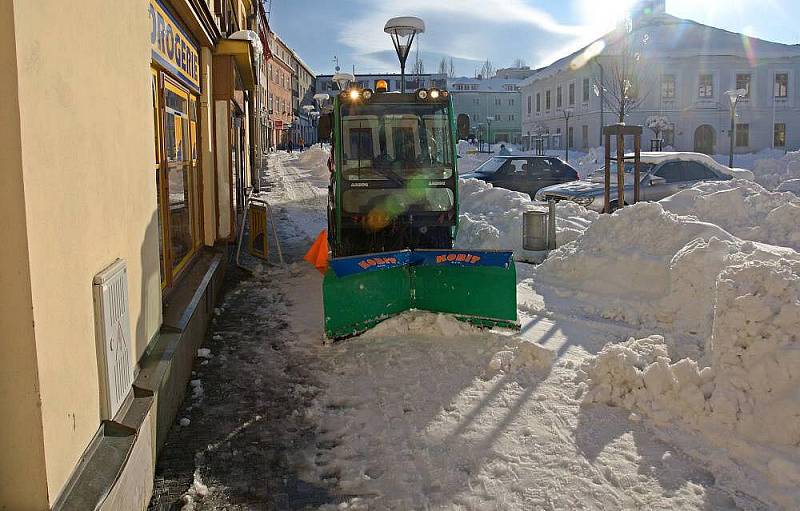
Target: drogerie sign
pixel 173 47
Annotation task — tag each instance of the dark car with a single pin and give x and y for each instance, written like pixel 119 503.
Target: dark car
pixel 525 174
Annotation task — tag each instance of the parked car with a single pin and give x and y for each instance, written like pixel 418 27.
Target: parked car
pixel 525 174
pixel 662 175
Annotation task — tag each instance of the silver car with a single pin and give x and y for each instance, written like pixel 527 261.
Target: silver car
pixel 662 175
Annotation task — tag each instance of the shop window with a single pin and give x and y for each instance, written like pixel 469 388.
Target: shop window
pixel 668 86
pixel 178 177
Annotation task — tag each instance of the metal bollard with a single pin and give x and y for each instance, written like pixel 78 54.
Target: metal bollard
pixel 534 230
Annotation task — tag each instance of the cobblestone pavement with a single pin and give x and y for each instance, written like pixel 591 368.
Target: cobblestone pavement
pixel 246 408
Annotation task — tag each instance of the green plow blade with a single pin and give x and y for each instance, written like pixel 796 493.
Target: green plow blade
pixel 356 300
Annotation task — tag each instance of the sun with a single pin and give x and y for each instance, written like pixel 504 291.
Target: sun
pixel 603 15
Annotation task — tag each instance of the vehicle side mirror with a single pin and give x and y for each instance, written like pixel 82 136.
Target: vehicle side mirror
pixel 657 181
pixel 325 127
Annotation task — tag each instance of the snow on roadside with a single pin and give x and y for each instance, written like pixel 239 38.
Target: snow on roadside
pixel 771 167
pixel 491 218
pixel 647 267
pixel 744 209
pixel 745 402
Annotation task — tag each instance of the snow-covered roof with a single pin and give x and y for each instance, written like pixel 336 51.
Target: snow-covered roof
pixel 484 85
pixel 670 36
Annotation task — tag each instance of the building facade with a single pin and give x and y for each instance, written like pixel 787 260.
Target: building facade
pixel 491 107
pixel 303 96
pixel 281 74
pixel 687 68
pixel 116 231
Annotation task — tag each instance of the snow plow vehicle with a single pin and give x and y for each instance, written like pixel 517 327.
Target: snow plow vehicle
pixel 393 217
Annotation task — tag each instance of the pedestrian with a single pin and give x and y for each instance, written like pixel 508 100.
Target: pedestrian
pixel 289 146
pixel 504 150
pixel 302 144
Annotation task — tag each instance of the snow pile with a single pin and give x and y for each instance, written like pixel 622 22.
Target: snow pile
pixel 313 158
pixel 589 163
pixel 744 209
pixel 421 323
pixel 647 267
pixel 523 356
pixel 771 172
pixel 746 401
pixel 491 218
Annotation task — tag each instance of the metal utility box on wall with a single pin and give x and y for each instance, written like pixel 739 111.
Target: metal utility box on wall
pixel 113 334
pixel 259 245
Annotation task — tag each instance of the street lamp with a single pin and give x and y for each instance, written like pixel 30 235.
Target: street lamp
pixel 343 80
pixel 734 96
pixel 403 30
pixel 567 115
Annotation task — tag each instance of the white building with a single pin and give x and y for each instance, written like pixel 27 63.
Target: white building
pixel 489 107
pixel 686 69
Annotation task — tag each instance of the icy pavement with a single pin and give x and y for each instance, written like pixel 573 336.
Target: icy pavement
pixel 421 413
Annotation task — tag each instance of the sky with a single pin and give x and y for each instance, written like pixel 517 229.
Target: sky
pixel 471 31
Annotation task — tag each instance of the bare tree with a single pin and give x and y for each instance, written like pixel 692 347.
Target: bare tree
pixel 443 66
pixel 419 66
pixel 452 70
pixel 487 69
pixel 626 82
pixel 520 63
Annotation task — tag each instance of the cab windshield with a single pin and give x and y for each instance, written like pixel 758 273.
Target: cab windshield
pixel 396 142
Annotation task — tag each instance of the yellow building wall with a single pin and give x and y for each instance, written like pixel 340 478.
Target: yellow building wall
pixel 22 468
pixel 90 197
pixel 207 157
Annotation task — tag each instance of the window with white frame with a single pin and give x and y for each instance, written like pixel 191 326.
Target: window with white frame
pixel 586 90
pixel 742 135
pixel 529 105
pixel 705 88
pixel 779 135
pixel 538 102
pixel 743 83
pixel 668 86
pixel 571 94
pixel 547 100
pixel 558 97
pixel 781 85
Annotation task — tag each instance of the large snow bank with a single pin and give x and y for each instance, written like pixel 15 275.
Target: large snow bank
pixel 744 209
pixel 746 400
pixel 771 167
pixel 491 218
pixel 647 267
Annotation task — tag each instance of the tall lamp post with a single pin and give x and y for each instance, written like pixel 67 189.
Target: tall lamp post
pixel 567 115
pixel 403 30
pixel 734 96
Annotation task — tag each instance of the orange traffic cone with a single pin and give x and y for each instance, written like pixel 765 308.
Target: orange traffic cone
pixel 317 255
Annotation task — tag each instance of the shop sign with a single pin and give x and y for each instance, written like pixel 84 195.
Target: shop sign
pixel 173 47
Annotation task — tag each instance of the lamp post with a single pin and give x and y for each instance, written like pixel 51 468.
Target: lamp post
pixel 403 30
pixel 567 115
pixel 734 96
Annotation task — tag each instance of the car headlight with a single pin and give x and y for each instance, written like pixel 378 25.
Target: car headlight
pixel 583 201
pixel 539 196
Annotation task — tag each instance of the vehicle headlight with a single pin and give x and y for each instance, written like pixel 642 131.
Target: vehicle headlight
pixel 539 196
pixel 583 201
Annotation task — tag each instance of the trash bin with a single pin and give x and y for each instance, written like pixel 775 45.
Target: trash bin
pixel 534 230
